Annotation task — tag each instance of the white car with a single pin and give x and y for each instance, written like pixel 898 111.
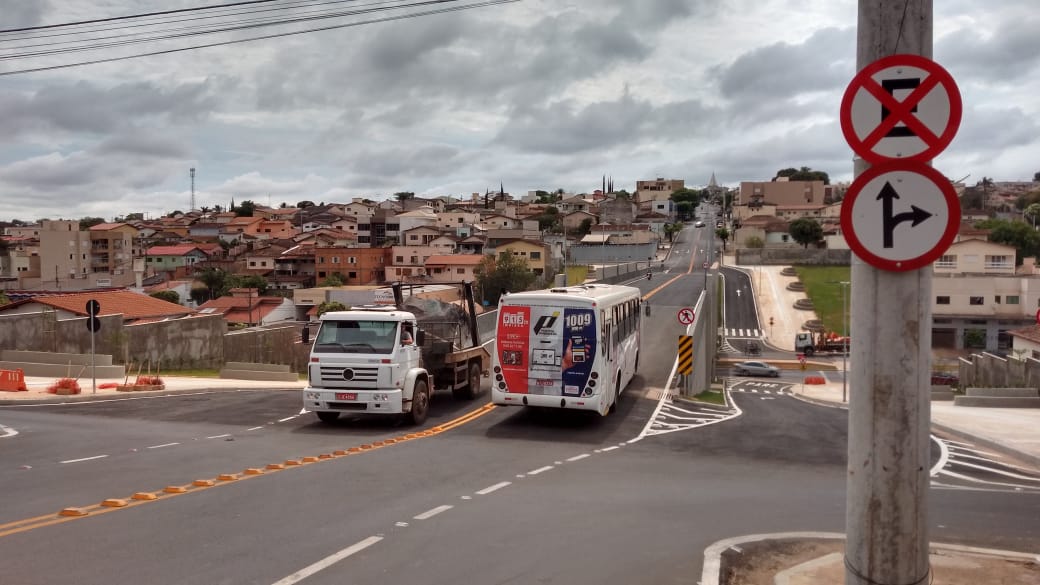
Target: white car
pixel 756 369
pixel 698 223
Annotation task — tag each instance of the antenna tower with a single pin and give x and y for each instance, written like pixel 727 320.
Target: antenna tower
pixel 192 173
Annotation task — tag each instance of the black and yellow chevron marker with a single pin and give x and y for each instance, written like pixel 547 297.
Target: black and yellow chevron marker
pixel 686 354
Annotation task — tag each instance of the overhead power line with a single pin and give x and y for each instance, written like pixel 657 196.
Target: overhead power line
pixel 128 17
pixel 369 8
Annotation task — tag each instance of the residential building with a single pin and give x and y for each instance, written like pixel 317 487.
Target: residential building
pixel 420 236
pixel 453 267
pixel 275 229
pixel 1025 342
pixel 112 252
pixel 357 266
pixel 380 228
pixel 620 210
pixel 535 253
pixel 179 260
pixel 408 263
pixel 244 307
pixel 64 256
pixel 572 221
pixel 456 219
pixel 978 298
pixel 780 193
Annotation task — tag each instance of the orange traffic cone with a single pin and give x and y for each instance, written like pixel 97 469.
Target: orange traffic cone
pixel 12 380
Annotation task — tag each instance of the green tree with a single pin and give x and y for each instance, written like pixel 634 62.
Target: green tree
pixel 403 196
pixel 549 218
pixel 754 242
pixel 670 229
pixel 722 234
pixel 692 196
pixel 245 209
pixel 1019 234
pixel 304 204
pixel 805 231
pixel 804 174
pixel 334 279
pixel 89 222
pixel 585 227
pixel 246 281
pixel 506 273
pixel 330 306
pixel 1032 213
pixel 4 300
pixel 684 210
pixel 623 194
pixel 169 296
pixel 214 279
pixel 1036 177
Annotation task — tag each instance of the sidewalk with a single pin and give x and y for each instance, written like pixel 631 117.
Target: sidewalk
pixel 37 387
pixel 1012 431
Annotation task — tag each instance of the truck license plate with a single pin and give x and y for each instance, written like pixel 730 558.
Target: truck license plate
pixel 346 395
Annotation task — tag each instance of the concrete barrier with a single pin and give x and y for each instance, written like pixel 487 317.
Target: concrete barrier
pixel 942 393
pixel 43 357
pixel 1003 392
pixel 64 370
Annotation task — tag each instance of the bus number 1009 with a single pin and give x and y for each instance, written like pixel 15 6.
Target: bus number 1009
pixel 579 320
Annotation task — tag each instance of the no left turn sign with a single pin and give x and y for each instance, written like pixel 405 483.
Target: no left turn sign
pixel 900 215
pixel 901 107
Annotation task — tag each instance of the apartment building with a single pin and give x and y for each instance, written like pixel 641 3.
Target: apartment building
pixel 781 193
pixel 112 251
pixel 978 297
pixel 355 265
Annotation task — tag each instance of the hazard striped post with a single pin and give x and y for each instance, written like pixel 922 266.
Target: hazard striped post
pixel 685 359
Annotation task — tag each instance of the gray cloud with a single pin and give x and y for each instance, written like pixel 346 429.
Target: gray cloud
pixel 1003 52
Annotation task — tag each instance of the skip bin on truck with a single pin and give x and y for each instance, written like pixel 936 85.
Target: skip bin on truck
pixel 388 359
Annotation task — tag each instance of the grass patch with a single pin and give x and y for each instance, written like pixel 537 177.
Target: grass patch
pixel 711 396
pixel 821 286
pixel 193 373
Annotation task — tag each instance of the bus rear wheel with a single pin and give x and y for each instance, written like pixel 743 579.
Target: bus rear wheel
pixel 617 394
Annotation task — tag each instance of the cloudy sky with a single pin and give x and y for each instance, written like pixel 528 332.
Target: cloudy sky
pixel 538 94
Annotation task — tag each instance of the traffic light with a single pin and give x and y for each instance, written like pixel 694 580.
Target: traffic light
pixel 770 321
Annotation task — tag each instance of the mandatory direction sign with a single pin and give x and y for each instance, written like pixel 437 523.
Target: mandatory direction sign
pixel 900 215
pixel 901 107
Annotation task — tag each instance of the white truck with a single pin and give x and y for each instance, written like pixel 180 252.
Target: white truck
pixel 388 359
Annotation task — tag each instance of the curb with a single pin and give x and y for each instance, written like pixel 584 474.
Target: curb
pixel 989 444
pixel 87 396
pixel 712 567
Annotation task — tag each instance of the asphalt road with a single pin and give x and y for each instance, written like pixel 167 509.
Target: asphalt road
pixel 483 495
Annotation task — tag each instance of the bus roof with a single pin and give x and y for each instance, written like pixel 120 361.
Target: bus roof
pixel 583 294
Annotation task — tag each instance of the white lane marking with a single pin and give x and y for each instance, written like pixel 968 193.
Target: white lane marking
pixel 255 429
pixel 288 418
pixel 547 467
pixel 328 561
pixel 302 411
pixel 401 524
pixel 578 457
pixel 83 402
pixel 610 448
pixel 84 459
pixel 493 488
pixel 163 445
pixel 432 512
pixel 944 456
pixel 219 436
pixel 949 473
pixel 7 432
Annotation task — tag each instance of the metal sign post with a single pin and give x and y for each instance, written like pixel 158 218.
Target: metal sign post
pixel 93 325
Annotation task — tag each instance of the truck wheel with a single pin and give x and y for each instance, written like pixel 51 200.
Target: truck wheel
pixel 809 352
pixel 472 387
pixel 420 403
pixel 327 417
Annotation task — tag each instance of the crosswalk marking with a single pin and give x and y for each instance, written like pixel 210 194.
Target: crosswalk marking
pixel 744 333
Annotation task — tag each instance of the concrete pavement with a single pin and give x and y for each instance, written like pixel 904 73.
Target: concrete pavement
pixel 1013 431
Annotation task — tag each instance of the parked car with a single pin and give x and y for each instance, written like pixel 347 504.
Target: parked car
pixel 698 223
pixel 945 379
pixel 756 369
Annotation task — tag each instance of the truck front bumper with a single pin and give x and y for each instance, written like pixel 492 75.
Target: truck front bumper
pixel 358 401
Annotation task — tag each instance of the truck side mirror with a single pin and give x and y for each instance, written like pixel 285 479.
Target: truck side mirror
pixel 420 337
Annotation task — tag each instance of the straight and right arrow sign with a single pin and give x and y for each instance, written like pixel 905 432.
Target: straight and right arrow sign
pixel 900 216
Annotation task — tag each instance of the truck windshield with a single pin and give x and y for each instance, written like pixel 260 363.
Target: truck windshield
pixel 356 336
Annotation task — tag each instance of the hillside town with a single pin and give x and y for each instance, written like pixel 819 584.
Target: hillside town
pixel 257 265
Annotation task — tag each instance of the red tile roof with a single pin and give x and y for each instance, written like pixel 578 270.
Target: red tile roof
pixel 133 306
pixel 106 226
pixel 178 250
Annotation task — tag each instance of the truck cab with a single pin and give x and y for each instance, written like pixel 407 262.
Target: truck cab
pixel 366 360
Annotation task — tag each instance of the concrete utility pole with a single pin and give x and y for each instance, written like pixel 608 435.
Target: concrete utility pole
pixel 889 409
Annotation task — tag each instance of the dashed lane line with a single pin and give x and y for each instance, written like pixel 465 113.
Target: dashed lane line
pixel 540 470
pixel 328 561
pixel 493 488
pixel 84 459
pixel 432 512
pixel 164 445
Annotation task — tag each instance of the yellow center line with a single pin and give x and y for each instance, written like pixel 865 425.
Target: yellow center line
pixel 198 485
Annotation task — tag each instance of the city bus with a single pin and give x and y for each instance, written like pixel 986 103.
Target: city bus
pixel 571 347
